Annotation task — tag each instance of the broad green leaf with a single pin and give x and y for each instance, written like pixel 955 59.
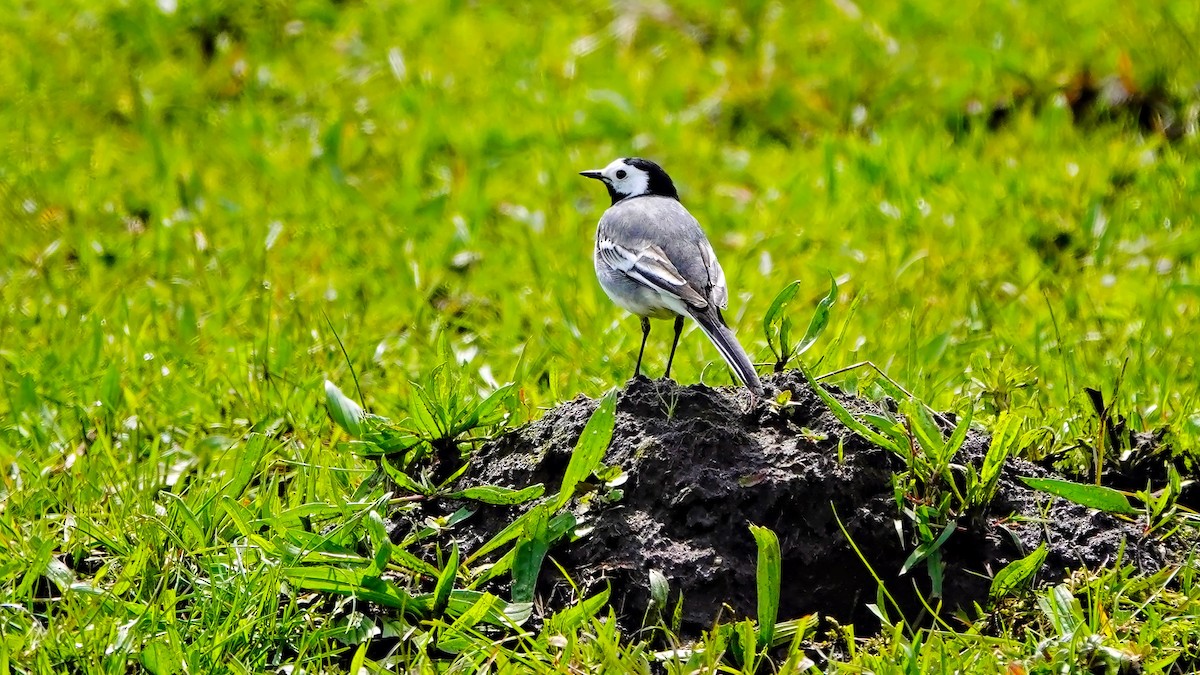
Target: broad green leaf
pixel 292 517
pixel 478 611
pixel 959 436
pixel 481 414
pixel 559 526
pixel 360 658
pixel 515 614
pixel 659 590
pixel 888 426
pixel 380 541
pixel 462 600
pixel 576 615
pixel 1062 608
pixel 795 629
pixel 774 315
pixel 495 494
pixel 1091 496
pixel 110 389
pixel 350 582
pixel 488 571
pixel 381 438
pixel 769 577
pixel 1018 573
pixel 37 565
pixel 530 552
pixel 590 449
pixel 929 436
pixel 426 413
pixel 445 582
pixel 346 413
pixel 410 562
pixel 159 657
pixel 993 460
pixel 241 517
pixel 820 318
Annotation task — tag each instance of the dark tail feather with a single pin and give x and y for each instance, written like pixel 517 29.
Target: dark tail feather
pixel 731 350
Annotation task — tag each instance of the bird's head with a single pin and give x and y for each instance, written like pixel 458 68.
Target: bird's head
pixel 634 177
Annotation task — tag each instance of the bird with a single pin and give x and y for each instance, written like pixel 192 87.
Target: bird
pixel 653 260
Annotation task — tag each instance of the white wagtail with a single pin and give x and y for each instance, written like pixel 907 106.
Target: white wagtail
pixel 654 261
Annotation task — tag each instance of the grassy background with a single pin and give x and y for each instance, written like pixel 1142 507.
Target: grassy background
pixel 194 197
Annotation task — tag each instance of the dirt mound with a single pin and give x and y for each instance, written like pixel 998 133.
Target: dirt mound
pixel 701 467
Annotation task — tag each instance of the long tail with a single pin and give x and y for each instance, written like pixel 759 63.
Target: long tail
pixel 727 343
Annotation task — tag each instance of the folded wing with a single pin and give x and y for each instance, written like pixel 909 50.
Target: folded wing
pixel 650 266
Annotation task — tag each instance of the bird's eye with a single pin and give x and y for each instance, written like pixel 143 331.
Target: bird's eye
pixel 620 174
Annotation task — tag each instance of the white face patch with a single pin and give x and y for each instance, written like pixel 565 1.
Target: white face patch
pixel 628 181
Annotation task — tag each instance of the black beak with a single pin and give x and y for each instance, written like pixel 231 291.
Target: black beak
pixel 592 174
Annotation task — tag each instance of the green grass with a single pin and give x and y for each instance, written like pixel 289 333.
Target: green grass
pixel 193 202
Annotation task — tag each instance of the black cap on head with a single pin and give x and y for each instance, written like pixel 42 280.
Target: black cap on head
pixel 631 177
pixel 660 183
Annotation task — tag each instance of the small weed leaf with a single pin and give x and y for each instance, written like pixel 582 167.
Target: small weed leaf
pixel 889 426
pixel 381 439
pixel 776 324
pixel 1018 573
pixel 412 563
pixel 463 600
pixel 929 436
pixel 959 435
pixel 820 319
pixel 738 641
pixel 590 449
pixel 531 550
pixel 929 548
pixel 1091 496
pixel 576 615
pixel 346 413
pixel 349 582
pixel 770 569
pixel 513 530
pixel 488 411
pixel 839 411
pixel 429 415
pixel 380 541
pixel 403 480
pixel 487 604
pixel 445 583
pixel 159 658
pixel 980 494
pixel 1063 610
pixel 659 590
pixel 495 494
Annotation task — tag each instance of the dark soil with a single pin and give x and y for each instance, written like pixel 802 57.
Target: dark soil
pixel 701 467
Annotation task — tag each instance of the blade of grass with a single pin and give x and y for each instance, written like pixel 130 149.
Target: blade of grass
pixel 769 576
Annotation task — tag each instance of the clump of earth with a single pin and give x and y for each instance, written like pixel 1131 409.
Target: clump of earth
pixel 702 465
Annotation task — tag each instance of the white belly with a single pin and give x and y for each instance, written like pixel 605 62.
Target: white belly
pixel 636 298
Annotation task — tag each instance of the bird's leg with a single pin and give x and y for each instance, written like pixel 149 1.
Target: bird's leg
pixel 637 370
pixel 674 343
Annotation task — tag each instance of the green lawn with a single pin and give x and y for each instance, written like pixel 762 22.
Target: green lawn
pixel 198 201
